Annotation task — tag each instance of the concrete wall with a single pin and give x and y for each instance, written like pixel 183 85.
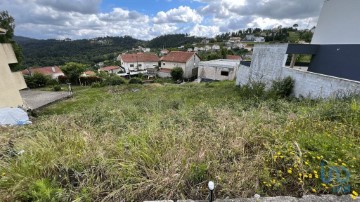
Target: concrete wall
pixel 338 23
pixel 10 83
pixel 268 64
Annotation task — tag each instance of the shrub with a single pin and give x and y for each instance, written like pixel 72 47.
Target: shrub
pixel 177 73
pixel 115 80
pixel 62 79
pixel 57 88
pixel 89 80
pixel 253 90
pixel 52 82
pixel 282 88
pixel 135 81
pixel 37 80
pixel 97 85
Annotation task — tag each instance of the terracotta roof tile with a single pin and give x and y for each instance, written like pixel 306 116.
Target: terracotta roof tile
pixel 43 70
pixel 178 56
pixel 109 68
pixel 233 57
pixel 140 57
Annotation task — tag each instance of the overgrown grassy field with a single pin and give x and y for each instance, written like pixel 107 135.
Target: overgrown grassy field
pixel 135 142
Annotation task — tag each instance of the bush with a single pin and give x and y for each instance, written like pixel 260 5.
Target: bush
pixel 37 80
pixel 57 88
pixel 97 85
pixel 177 73
pixel 282 88
pixel 253 90
pixel 115 80
pixel 62 79
pixel 135 81
pixel 89 80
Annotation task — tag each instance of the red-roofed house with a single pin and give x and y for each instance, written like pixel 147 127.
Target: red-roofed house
pixel 110 69
pixel 188 61
pixel 54 71
pixel 233 57
pixel 88 73
pixel 139 61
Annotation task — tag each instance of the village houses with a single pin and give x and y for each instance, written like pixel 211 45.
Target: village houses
pixel 139 61
pixel 188 61
pixel 54 71
pixel 110 69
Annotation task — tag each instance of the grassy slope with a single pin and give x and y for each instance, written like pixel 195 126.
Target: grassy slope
pixel 168 141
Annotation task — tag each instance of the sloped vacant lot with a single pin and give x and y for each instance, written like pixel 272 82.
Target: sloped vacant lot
pixel 135 142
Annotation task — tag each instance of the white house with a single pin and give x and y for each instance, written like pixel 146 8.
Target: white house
pixel 259 39
pixel 110 69
pixel 218 70
pixel 139 61
pixel 54 72
pixel 215 47
pixel 188 61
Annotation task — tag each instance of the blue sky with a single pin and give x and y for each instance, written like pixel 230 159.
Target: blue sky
pixel 149 7
pixel 146 19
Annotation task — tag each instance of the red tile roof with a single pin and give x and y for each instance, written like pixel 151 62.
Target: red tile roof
pixel 109 68
pixel 43 70
pixel 178 56
pixel 89 73
pixel 140 57
pixel 233 57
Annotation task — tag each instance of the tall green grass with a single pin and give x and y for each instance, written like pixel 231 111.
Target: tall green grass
pixel 167 141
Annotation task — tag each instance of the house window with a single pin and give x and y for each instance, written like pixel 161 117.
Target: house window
pixel 163 63
pixel 131 65
pixel 224 73
pixel 139 65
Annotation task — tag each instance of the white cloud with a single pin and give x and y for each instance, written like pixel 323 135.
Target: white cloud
pixel 82 19
pixel 204 31
pixel 183 14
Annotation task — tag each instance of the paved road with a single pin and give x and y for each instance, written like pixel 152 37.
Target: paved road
pixel 34 99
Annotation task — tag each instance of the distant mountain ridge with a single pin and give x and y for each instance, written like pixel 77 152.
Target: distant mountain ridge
pixel 48 52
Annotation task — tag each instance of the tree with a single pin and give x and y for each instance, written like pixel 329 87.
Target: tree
pixel 7 22
pixel 73 70
pixel 177 73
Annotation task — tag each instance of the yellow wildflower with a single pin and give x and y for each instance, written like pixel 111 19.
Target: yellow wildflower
pixel 279 153
pixel 305 176
pixel 339 160
pixel 310 176
pixel 353 197
pixel 316 176
pixel 306 163
pixel 315 172
pixel 300 174
pixel 343 164
pixel 289 171
pixel 354 193
pixel 3 174
pixel 313 190
pixel 324 185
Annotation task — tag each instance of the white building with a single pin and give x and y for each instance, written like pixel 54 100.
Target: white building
pixel 139 61
pixel 188 61
pixel 218 70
